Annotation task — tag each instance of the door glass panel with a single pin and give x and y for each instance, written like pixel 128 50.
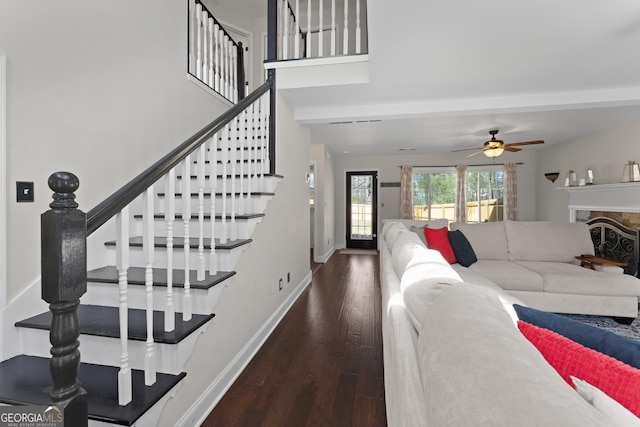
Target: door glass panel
pixel 361 207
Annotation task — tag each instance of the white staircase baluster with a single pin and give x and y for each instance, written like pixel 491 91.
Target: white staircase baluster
pixel 122 265
pixel 186 216
pixel 205 47
pixel 227 68
pixel 345 47
pixel 224 145
pixel 252 139
pixel 333 27
pixel 223 78
pixel 170 216
pixel 308 29
pixel 234 72
pixel 242 134
pixel 211 54
pixel 192 37
pixel 233 232
pixel 217 57
pixel 213 181
pixel 148 247
pixel 297 31
pixel 266 142
pixel 358 29
pixel 285 36
pixel 198 24
pixel 201 182
pixel 320 29
pixel 263 137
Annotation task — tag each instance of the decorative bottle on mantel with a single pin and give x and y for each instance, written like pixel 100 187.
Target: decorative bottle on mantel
pixel 631 172
pixel 588 174
pixel 571 180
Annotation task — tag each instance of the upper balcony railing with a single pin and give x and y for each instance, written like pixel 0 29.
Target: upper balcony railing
pixel 317 28
pixel 214 57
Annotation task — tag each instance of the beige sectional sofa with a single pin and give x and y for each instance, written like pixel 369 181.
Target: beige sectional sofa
pixel 452 354
pixel 535 261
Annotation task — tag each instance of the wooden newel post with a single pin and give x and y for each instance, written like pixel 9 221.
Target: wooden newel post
pixel 64 281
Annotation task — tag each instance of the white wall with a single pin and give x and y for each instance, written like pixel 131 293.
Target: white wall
pixel 605 153
pixel 324 223
pixel 280 246
pixel 389 168
pixel 99 89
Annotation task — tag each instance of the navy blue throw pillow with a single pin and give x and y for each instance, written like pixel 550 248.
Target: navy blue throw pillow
pixel 462 248
pixel 624 349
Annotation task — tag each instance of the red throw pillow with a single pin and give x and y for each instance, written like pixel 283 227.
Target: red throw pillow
pixel 438 239
pixel 619 380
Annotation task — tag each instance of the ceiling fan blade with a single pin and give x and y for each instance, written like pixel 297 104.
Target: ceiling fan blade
pixel 466 149
pixel 513 150
pixel 475 154
pixel 525 143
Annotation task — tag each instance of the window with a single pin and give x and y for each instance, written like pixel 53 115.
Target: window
pixel 434 194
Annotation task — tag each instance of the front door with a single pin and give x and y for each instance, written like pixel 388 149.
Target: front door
pixel 362 210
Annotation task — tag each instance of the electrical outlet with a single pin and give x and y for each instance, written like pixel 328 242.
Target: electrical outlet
pixel 280 285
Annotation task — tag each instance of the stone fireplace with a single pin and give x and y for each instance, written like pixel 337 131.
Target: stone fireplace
pixel 613 214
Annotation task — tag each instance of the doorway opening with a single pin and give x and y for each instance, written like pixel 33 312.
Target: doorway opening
pixel 362 210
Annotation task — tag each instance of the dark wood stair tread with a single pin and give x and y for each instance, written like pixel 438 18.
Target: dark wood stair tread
pixel 25 380
pixel 104 321
pixel 178 216
pixel 136 276
pixel 267 174
pixel 208 194
pixel 161 242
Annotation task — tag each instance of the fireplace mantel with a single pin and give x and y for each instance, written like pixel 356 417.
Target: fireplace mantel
pixel 621 197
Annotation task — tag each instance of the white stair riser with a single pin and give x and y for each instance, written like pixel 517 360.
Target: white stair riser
pixel 244 227
pixel 170 358
pixel 267 184
pixel 253 204
pixel 226 258
pixel 108 294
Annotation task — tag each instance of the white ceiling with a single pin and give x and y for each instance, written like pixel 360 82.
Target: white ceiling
pixel 443 73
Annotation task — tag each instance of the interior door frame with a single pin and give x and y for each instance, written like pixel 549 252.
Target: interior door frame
pixel 365 244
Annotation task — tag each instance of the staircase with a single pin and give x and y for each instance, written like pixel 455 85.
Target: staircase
pixel 175 251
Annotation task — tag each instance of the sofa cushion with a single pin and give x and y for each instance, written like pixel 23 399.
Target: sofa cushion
pixel 488 239
pixel 508 275
pixel 438 239
pixel 477 369
pixel 617 414
pixel 570 359
pixel 462 248
pixel 404 247
pixel 420 232
pixel 622 348
pixel 426 275
pixel 565 278
pixel 547 241
pixel 390 231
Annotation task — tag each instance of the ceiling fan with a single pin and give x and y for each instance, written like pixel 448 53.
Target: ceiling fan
pixel 495 147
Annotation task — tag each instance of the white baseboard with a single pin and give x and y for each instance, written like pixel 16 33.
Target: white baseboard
pixel 210 398
pixel 325 257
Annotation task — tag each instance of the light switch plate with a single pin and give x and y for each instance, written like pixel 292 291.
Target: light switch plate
pixel 24 191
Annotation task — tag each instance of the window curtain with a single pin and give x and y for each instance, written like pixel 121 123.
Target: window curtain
pixel 461 193
pixel 406 192
pixel 510 191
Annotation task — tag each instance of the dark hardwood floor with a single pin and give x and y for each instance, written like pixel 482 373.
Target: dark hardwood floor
pixel 322 366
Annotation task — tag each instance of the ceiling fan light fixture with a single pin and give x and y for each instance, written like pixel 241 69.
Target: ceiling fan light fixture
pixel 493 152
